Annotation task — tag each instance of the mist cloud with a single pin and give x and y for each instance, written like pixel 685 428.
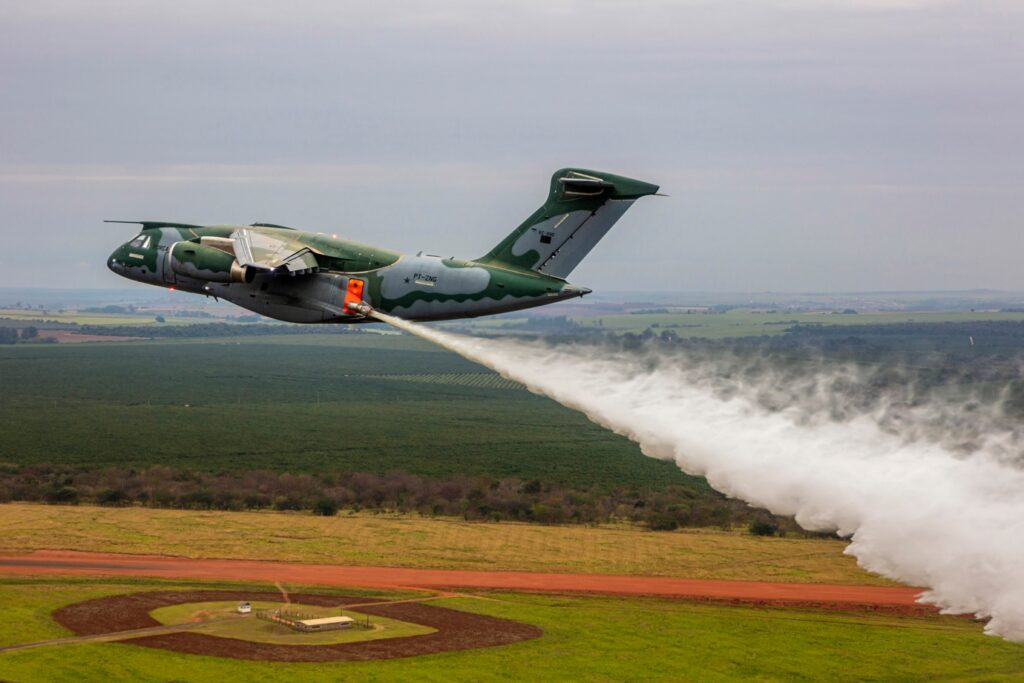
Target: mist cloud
pixel 918 506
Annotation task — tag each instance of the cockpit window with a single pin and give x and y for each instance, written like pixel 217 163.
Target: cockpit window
pixel 140 242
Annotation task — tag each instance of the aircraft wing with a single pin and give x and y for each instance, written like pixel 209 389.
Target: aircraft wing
pixel 272 252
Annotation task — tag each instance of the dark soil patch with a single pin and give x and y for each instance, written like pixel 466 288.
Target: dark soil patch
pixel 455 630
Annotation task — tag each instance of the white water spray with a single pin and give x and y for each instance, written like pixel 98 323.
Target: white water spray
pixel 916 510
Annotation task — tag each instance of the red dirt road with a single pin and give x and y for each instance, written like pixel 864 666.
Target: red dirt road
pixel 897 598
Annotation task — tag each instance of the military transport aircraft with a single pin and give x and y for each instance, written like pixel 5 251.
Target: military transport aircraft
pixel 306 277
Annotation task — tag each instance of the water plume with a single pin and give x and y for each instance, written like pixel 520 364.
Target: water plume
pixel 893 476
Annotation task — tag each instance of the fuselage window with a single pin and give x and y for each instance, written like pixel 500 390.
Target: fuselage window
pixel 140 242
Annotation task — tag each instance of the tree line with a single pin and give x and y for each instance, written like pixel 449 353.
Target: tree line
pixel 211 330
pixel 481 498
pixel 11 335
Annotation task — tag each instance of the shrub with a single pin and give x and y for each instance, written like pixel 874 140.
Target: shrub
pixel 162 498
pixel 325 507
pixel 112 497
pixel 763 527
pixel 532 487
pixel 199 499
pixel 67 495
pixel 288 503
pixel 662 521
pixel 256 501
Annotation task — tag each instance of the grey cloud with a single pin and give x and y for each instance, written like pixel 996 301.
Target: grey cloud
pixel 807 145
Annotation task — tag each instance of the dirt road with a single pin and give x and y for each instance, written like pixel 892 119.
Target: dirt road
pixel 810 594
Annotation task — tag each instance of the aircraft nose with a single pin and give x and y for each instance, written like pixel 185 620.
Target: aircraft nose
pixel 114 260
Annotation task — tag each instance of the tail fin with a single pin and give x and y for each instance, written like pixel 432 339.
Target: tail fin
pixel 581 207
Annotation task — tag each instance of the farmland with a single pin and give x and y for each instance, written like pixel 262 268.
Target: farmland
pixel 744 323
pixel 36 317
pixel 369 402
pixel 298 403
pixel 315 405
pixel 97 417
pixel 747 323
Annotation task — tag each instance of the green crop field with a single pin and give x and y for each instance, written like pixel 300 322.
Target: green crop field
pixel 585 638
pixel 745 323
pixel 33 317
pixel 298 403
pixel 462 379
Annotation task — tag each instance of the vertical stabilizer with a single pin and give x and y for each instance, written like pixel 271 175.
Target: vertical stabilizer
pixel 581 207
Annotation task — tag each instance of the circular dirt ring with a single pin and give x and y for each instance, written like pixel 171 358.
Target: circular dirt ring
pixel 455 630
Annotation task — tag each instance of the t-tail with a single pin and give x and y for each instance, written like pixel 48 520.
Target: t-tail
pixel 581 208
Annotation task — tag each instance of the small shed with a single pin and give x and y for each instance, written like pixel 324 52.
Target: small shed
pixel 244 607
pixel 324 624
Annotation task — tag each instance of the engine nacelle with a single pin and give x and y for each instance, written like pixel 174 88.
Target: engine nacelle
pixel 202 262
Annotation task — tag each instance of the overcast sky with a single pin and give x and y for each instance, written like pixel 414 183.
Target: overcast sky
pixel 807 145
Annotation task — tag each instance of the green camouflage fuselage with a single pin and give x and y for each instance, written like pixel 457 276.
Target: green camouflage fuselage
pixel 306 277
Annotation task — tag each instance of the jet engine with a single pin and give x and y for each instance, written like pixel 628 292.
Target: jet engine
pixel 207 263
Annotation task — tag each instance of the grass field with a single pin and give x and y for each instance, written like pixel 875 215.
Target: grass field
pixel 585 638
pixel 225 623
pixel 745 323
pixel 299 403
pixel 366 539
pixel 28 603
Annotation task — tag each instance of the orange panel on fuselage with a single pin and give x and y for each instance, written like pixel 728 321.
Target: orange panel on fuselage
pixel 354 293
